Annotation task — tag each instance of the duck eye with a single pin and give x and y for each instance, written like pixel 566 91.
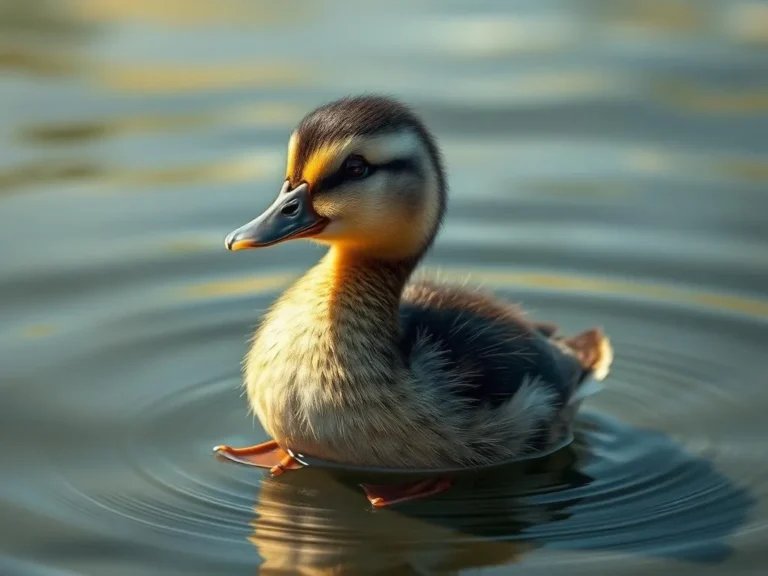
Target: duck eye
pixel 356 167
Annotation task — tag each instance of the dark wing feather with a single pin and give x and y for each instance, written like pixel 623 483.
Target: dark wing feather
pixel 488 341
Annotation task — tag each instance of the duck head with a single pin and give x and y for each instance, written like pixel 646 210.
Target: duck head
pixel 364 175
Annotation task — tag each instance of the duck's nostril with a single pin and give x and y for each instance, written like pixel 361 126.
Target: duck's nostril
pixel 290 208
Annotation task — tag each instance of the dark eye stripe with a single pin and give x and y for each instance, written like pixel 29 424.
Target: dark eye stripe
pixel 336 179
pixel 339 177
pixel 400 165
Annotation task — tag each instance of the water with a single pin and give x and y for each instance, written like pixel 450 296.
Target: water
pixel 608 163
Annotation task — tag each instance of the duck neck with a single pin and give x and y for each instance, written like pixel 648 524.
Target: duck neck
pixel 342 319
pixel 351 305
pixel 336 328
pixel 364 286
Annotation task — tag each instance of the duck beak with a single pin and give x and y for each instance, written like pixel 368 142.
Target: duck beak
pixel 290 216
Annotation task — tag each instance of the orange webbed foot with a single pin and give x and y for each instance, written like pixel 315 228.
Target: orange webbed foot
pixel 267 455
pixel 381 496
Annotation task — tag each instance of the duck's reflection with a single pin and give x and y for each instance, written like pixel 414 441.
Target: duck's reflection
pixel 617 488
pixel 330 528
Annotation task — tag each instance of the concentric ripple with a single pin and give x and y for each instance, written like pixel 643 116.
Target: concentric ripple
pixel 645 478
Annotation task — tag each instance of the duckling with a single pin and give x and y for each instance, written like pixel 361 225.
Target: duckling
pixel 357 364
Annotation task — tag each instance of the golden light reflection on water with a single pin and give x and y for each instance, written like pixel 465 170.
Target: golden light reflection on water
pixel 702 99
pixel 37 62
pixel 151 78
pixel 37 331
pixel 649 160
pixel 251 167
pixel 678 16
pixel 659 161
pixel 239 286
pixel 744 169
pixel 257 115
pixel 90 130
pixel 188 13
pixel 747 22
pixel 21 176
pixel 757 308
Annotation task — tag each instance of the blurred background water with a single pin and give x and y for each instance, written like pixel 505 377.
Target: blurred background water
pixel 608 162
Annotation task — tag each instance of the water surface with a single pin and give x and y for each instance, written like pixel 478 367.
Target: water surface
pixel 608 165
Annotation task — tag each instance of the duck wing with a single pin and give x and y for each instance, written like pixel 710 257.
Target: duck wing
pixel 492 348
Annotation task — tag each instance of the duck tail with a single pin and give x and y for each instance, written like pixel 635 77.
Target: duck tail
pixel 594 351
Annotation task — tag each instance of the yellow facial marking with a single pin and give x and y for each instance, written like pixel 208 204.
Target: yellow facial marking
pixel 293 147
pixel 321 163
pixel 392 236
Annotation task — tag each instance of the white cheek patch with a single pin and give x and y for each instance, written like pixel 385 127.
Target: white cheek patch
pixel 388 147
pixel 384 187
pixel 425 198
